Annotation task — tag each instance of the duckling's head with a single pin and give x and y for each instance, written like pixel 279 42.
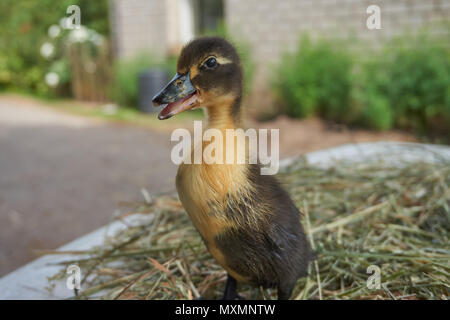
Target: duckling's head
pixel 208 75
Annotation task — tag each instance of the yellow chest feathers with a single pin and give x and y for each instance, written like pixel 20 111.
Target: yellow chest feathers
pixel 205 191
pixel 204 188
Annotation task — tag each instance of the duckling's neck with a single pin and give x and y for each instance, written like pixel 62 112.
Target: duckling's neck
pixel 225 114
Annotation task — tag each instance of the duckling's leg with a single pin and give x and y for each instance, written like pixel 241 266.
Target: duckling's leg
pixel 285 289
pixel 230 292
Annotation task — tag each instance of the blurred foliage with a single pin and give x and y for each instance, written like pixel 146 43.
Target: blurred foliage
pixel 419 85
pixel 370 94
pixel 23 29
pixel 316 79
pixel 405 85
pixel 94 15
pixel 125 86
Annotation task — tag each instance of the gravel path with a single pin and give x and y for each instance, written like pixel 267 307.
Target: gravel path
pixel 62 176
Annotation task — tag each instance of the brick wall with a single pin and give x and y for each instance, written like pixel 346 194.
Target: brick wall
pixel 138 25
pixel 272 27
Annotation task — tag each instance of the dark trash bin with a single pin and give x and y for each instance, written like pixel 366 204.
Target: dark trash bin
pixel 150 83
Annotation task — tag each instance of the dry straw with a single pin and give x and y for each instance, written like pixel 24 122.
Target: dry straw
pixel 397 218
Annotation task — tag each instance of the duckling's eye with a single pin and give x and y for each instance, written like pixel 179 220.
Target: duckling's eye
pixel 211 63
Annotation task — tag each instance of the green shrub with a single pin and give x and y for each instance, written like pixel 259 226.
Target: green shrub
pixel 419 91
pixel 407 86
pixel 370 89
pixel 124 90
pixel 377 113
pixel 316 80
pixel 23 29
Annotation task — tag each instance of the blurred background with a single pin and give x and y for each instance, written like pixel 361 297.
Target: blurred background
pixel 78 134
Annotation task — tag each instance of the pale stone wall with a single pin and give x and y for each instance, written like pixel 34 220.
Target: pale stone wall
pixel 138 25
pixel 157 26
pixel 272 27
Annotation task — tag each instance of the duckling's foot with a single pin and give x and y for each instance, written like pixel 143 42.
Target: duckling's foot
pixel 230 292
pixel 285 289
pixel 234 297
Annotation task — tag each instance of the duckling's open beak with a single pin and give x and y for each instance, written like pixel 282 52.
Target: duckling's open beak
pixel 178 95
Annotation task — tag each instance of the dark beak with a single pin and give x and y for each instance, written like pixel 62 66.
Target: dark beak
pixel 178 95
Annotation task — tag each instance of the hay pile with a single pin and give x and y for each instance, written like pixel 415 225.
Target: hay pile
pixel 356 216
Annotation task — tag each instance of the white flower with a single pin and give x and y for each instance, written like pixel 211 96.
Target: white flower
pixel 79 35
pixel 54 31
pixel 96 38
pixel 52 79
pixel 64 23
pixel 47 50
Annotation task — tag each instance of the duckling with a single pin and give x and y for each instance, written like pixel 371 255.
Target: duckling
pixel 248 222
